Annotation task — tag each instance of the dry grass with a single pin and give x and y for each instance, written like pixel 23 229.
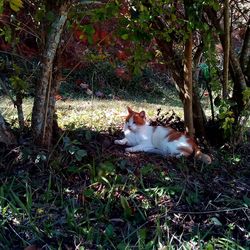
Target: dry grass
pixel 95 114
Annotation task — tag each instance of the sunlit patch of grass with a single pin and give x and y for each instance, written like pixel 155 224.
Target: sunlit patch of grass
pixel 102 114
pixel 9 111
pixel 95 114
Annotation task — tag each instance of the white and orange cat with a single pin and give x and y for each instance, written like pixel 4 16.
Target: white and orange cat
pixel 141 137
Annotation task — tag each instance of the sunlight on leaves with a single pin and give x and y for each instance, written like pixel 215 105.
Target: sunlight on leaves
pixel 16 5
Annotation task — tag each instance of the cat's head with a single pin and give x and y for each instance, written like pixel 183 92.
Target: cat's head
pixel 135 120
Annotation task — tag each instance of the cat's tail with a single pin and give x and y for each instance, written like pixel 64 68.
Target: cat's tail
pixel 194 149
pixel 202 156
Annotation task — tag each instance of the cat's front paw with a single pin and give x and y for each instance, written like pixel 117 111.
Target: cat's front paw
pixel 129 150
pixel 121 142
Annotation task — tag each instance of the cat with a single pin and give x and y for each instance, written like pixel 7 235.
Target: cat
pixel 141 137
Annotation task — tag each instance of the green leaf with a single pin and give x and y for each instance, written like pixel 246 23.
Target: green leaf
pixel 126 208
pixel 82 152
pixel 107 167
pixel 122 246
pixel 246 94
pixel 125 36
pixel 89 30
pixel 16 5
pixel 209 246
pixel 142 233
pixel 216 5
pixel 18 84
pixel 147 169
pixel 88 135
pixel 150 245
pixel 109 231
pixel 6 33
pixel 216 221
pixel 246 200
pixel 89 192
pixel 1 6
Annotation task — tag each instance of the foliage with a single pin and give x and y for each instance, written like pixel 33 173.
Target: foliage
pixel 101 80
pixel 111 200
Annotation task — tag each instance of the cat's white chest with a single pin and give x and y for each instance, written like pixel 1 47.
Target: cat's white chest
pixel 138 137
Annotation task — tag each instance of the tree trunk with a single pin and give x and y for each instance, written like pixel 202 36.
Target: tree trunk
pixel 245 52
pixel 226 49
pixel 199 117
pixel 188 86
pixel 51 100
pixel 175 64
pixel 239 82
pixel 234 64
pixel 44 102
pixel 19 106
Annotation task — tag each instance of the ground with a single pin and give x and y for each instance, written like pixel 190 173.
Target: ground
pixel 89 194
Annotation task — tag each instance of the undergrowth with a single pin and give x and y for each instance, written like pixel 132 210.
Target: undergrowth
pixel 88 194
pixel 100 80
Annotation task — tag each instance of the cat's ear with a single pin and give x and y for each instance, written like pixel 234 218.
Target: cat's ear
pixel 142 114
pixel 130 110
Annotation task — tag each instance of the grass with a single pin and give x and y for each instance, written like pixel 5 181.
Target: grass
pixel 96 114
pixel 88 194
pixel 118 201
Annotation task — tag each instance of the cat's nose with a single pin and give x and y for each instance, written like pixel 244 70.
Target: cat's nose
pixel 129 127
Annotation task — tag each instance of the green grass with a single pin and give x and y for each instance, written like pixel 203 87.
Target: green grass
pixel 88 194
pixel 95 114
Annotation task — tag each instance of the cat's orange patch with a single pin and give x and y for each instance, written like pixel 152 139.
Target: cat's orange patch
pixel 191 141
pixel 129 116
pixel 173 135
pixel 136 118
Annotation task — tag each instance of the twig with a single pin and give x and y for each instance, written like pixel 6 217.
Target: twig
pixel 72 70
pixel 18 235
pixel 206 212
pixel 14 54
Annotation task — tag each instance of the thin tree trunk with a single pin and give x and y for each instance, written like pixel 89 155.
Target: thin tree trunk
pixel 19 106
pixel 6 136
pixel 175 64
pixel 248 73
pixel 226 49
pixel 42 111
pixel 188 86
pixel 199 117
pixel 234 64
pixel 245 52
pixel 17 103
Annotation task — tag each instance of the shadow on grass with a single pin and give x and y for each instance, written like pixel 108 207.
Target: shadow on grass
pixel 114 200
